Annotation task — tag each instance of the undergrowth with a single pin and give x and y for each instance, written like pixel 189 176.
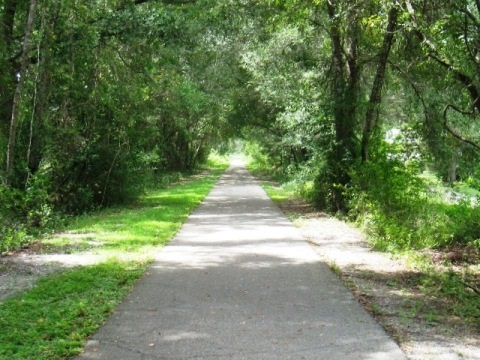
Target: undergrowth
pixel 402 211
pixel 456 287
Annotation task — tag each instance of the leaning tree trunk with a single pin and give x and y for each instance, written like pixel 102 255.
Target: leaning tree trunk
pixel 18 91
pixel 371 116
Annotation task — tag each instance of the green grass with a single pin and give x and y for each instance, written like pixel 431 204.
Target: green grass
pixel 278 193
pixel 452 287
pixel 54 319
pixel 150 222
pixel 272 182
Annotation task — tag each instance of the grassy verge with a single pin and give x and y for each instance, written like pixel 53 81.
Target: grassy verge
pixel 454 287
pixel 53 320
pixel 272 182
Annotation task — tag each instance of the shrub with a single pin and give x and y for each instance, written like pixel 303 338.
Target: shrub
pixel 24 214
pixel 392 202
pixel 465 222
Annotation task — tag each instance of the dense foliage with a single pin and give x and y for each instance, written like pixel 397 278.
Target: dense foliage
pixel 109 97
pixel 373 113
pixel 371 107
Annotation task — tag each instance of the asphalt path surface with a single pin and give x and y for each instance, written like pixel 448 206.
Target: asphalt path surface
pixel 239 282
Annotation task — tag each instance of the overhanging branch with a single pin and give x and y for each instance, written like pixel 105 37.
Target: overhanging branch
pixel 434 55
pixel 454 133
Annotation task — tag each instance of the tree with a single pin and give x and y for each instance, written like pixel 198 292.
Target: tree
pixel 18 91
pixel 371 116
pixel 444 39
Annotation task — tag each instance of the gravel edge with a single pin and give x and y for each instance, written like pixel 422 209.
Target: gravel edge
pixel 386 287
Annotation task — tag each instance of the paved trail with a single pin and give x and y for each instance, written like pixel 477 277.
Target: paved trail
pixel 239 282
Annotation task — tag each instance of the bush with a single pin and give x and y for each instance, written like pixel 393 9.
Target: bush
pixel 392 202
pixel 261 163
pixel 258 159
pixel 24 214
pixel 465 222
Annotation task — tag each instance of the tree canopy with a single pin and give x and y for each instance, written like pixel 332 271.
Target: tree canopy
pixel 353 99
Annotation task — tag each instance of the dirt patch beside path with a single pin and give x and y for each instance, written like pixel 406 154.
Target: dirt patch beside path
pixel 388 288
pixel 21 270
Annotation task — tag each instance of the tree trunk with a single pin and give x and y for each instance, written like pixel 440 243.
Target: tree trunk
pixel 8 66
pixel 18 90
pixel 345 76
pixel 371 117
pixel 38 136
pixel 452 168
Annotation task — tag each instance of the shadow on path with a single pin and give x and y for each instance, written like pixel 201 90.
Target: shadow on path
pixel 239 282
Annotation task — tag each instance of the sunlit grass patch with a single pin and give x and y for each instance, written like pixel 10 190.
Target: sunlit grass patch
pixel 151 221
pixel 278 193
pixel 52 320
